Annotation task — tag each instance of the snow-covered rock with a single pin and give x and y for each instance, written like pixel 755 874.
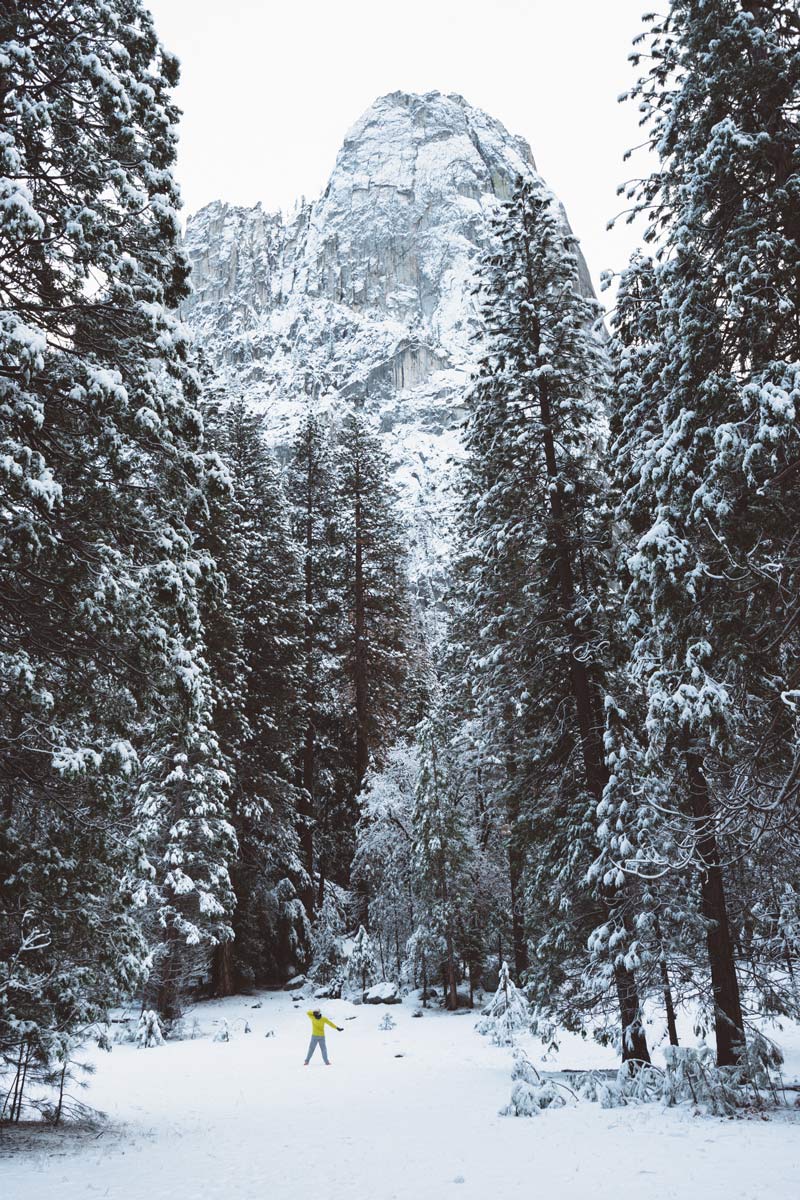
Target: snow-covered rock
pixel 295 984
pixel 364 297
pixel 383 993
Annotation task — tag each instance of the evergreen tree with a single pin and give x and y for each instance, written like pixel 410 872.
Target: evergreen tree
pixel 534 564
pixel 379 636
pixel 361 965
pixel 442 847
pixel 357 641
pixel 254 628
pixel 707 443
pixel 323 774
pixel 383 861
pixel 507 1014
pixel 102 669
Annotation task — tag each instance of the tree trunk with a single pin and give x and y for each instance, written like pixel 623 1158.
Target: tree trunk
pixel 728 1020
pixel 634 1041
pixel 165 993
pixel 222 970
pixel 672 1028
pixel 516 861
pixel 306 797
pixel 397 944
pixel 451 985
pixel 361 685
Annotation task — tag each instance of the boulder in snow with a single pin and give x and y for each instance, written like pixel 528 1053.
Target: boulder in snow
pixel 294 984
pixel 383 993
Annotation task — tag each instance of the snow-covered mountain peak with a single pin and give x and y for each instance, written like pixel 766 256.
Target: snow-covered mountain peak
pixel 365 296
pixel 467 135
pixel 405 208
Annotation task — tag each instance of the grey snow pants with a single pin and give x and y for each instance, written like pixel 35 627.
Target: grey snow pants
pixel 312 1045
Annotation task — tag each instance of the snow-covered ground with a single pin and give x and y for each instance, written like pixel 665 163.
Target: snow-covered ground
pixel 409 1114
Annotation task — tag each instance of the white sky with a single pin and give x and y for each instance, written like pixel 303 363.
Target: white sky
pixel 269 90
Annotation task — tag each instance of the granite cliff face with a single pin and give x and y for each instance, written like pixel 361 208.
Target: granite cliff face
pixel 364 297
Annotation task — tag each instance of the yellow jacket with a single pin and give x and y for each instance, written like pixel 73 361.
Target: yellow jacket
pixel 318 1024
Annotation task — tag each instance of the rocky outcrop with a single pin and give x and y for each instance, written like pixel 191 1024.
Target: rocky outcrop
pixel 364 297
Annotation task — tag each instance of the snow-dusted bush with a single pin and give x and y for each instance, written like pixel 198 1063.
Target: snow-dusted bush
pixel 387 1023
pixel 507 1014
pixel 223 1034
pixel 149 1031
pixel 530 1093
pixel 691 1076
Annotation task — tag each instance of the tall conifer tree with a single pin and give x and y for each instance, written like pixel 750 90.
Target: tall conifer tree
pixel 535 567
pixel 102 668
pixel 707 440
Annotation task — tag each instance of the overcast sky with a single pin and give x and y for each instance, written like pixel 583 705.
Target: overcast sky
pixel 269 90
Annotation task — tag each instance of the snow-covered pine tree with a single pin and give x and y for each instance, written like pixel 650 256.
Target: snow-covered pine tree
pixel 323 774
pixel 361 964
pixel 485 609
pixel 534 560
pixel 507 1014
pixel 442 847
pixel 425 951
pixel 707 441
pixel 254 631
pixel 379 639
pixel 103 483
pixel 186 837
pixel 383 861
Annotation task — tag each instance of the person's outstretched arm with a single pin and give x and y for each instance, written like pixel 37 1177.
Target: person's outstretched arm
pixel 333 1026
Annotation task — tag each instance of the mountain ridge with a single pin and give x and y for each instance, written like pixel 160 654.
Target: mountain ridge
pixel 364 296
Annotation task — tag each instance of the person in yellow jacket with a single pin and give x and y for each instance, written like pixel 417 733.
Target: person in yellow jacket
pixel 318 1023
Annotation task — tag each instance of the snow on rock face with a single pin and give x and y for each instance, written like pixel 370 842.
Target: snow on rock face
pixel 364 298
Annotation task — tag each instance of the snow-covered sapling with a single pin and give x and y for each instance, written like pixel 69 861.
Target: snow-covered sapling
pixel 530 1093
pixel 507 1014
pixel 149 1031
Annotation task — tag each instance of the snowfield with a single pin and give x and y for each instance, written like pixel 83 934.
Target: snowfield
pixel 244 1120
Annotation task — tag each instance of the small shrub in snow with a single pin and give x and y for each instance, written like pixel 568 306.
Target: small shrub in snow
pixel 149 1031
pixel 507 1013
pixel 223 1034
pixel 387 1023
pixel 530 1093
pixel 125 1032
